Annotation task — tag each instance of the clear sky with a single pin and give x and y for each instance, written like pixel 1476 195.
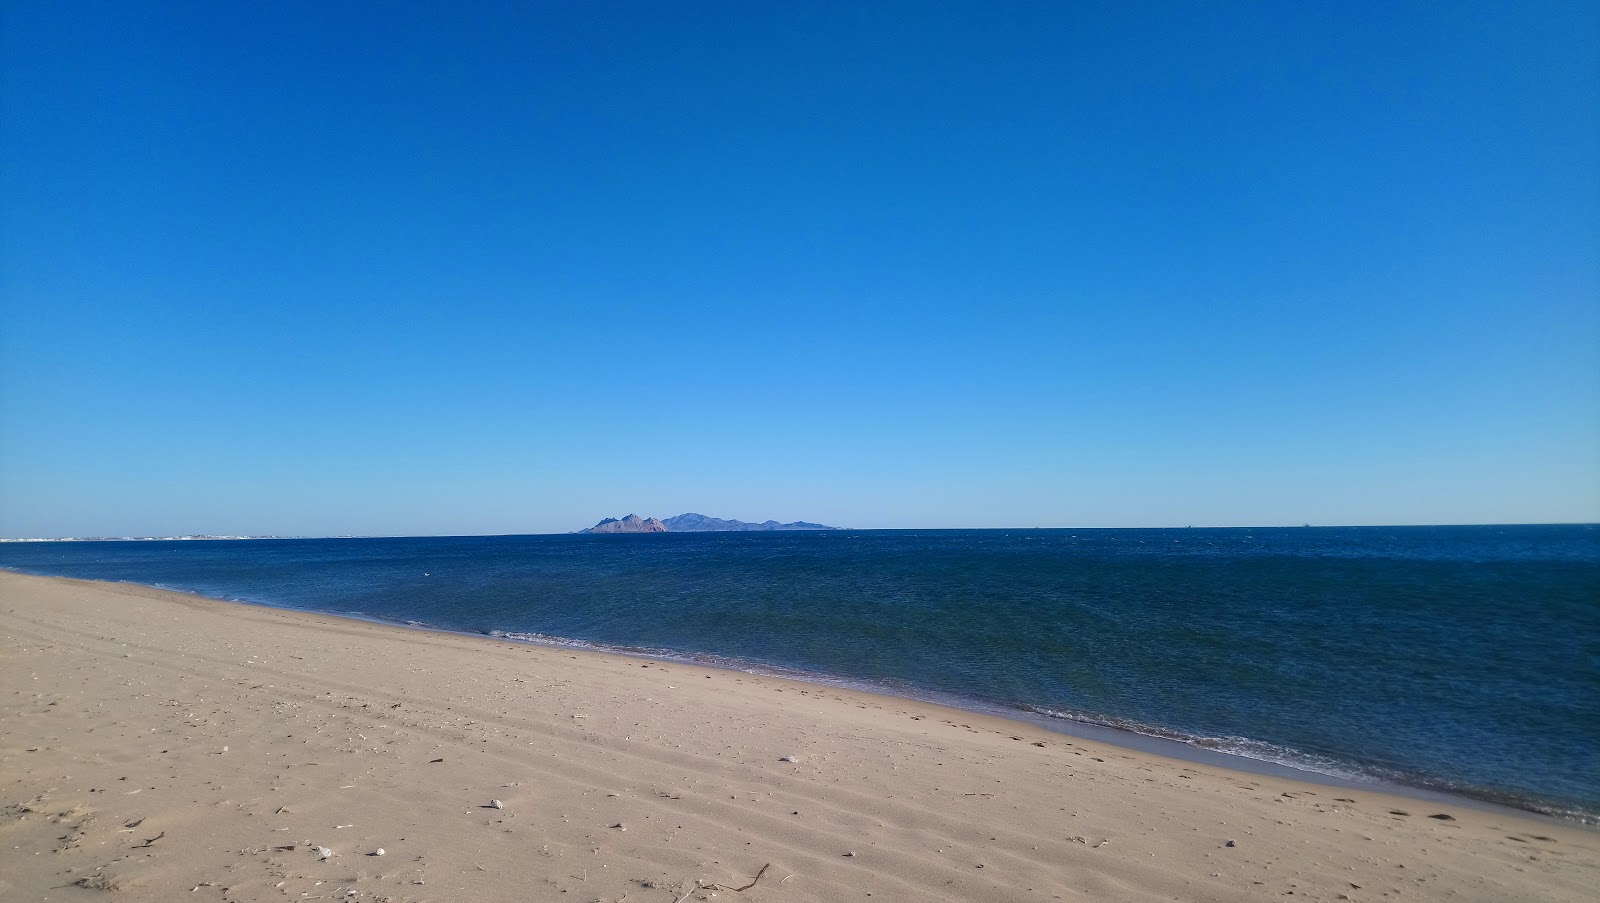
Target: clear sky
pixel 326 268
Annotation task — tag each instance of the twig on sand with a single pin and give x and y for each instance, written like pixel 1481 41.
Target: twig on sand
pixel 740 890
pixel 151 840
pixel 698 885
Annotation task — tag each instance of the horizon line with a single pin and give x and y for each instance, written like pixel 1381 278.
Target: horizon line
pixel 219 537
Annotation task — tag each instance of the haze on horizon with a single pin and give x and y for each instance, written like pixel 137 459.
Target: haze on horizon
pixel 316 269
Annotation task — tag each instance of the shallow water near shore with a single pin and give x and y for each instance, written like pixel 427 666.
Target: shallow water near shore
pixel 1458 659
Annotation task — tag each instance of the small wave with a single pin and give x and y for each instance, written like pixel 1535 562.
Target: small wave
pixel 1242 747
pixel 1300 760
pixel 542 639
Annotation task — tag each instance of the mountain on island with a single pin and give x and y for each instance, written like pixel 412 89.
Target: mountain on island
pixel 633 523
pixel 699 523
pixel 693 523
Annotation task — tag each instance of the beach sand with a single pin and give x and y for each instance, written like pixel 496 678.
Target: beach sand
pixel 157 746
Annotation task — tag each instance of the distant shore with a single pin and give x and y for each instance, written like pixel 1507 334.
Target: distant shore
pixel 155 743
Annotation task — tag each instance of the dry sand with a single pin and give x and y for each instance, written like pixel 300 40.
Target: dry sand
pixel 157 746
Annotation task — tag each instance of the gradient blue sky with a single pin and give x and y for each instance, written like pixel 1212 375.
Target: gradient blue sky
pixel 484 268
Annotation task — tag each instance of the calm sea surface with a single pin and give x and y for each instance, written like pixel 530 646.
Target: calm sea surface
pixel 1463 659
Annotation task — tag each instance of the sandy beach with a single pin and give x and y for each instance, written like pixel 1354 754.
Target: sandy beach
pixel 157 746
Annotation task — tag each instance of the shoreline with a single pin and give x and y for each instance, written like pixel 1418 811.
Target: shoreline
pixel 1124 738
pixel 156 743
pixel 1129 739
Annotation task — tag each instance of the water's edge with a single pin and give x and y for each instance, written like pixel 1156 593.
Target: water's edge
pixel 1151 741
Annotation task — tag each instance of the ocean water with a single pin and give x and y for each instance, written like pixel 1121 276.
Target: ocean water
pixel 1458 659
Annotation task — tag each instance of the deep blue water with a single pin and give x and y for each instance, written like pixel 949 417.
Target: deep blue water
pixel 1464 659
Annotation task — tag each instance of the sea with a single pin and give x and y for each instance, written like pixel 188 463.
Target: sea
pixel 1462 660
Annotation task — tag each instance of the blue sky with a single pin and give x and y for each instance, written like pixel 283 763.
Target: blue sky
pixel 332 268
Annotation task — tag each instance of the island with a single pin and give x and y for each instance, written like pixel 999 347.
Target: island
pixel 633 523
pixel 694 523
pixel 700 523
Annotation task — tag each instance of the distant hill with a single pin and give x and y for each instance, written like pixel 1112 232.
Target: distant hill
pixel 693 523
pixel 633 523
pixel 699 523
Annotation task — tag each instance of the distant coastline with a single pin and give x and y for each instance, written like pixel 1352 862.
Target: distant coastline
pixel 188 538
